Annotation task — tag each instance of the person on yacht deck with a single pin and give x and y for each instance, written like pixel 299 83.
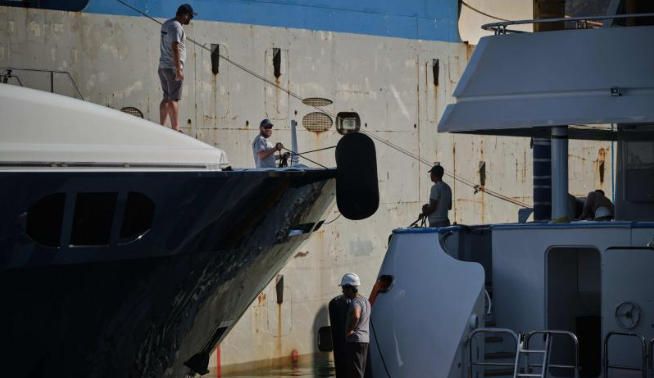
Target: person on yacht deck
pixel 263 150
pixel 597 207
pixel 171 64
pixel 440 199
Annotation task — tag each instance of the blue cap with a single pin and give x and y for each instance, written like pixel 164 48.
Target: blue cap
pixel 266 123
pixel 437 170
pixel 186 9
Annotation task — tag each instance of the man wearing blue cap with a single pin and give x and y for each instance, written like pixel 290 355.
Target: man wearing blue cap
pixel 263 150
pixel 171 64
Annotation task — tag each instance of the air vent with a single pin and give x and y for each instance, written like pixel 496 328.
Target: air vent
pixel 317 101
pixel 317 122
pixel 133 111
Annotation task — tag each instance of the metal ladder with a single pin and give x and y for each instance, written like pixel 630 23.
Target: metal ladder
pixel 545 365
pixel 606 365
pixel 483 363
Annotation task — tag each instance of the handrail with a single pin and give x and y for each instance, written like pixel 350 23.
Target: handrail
pixel 9 70
pixel 500 28
pixel 605 361
pixel 508 331
pixel 548 333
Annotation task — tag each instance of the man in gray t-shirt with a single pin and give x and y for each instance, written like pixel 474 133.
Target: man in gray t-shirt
pixel 171 64
pixel 263 150
pixel 440 200
pixel 357 334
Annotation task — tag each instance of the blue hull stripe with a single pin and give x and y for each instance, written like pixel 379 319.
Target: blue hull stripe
pixel 434 20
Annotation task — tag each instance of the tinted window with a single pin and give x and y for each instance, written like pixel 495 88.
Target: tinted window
pixel 44 220
pixel 638 162
pixel 94 214
pixel 139 212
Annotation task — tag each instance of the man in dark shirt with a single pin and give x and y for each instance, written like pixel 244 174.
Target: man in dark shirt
pixel 440 199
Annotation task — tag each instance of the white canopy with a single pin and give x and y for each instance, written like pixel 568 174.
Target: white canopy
pixel 522 84
pixel 40 129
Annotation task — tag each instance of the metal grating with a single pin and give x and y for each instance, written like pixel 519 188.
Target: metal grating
pixel 317 101
pixel 133 111
pixel 317 122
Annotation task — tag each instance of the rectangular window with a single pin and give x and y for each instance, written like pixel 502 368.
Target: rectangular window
pixel 45 218
pixel 435 70
pixel 638 161
pixel 277 62
pixel 215 59
pixel 139 213
pixel 94 214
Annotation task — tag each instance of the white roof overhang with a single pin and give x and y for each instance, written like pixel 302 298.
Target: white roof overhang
pixel 523 84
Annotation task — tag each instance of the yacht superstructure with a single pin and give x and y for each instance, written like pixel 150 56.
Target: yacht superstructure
pixel 547 298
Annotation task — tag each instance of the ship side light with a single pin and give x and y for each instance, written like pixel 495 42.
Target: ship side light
pixel 383 285
pixel 385 282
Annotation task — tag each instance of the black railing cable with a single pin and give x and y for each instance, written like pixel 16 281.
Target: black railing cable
pixel 482 12
pixel 477 188
pixel 302 156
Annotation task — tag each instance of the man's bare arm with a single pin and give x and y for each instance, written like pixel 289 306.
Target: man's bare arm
pixel 356 315
pixel 265 153
pixel 430 207
pixel 179 73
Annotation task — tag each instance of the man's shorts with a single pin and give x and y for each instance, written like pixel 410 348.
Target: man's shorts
pixel 172 89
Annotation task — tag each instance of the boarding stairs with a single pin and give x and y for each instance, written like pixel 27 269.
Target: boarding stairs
pixel 518 359
pixel 528 355
pixel 542 367
pixel 619 370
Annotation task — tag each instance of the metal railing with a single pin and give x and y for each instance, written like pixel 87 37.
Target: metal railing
pixel 501 28
pixel 483 363
pixel 8 73
pixel 606 365
pixel 550 334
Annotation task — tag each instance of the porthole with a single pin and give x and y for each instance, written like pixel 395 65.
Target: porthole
pixel 317 122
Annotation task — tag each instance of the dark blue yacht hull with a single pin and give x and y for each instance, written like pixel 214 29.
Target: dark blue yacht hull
pixel 131 274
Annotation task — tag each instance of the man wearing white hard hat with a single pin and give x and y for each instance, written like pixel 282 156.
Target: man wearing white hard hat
pixel 357 335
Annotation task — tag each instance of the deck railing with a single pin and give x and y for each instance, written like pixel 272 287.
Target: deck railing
pixel 7 73
pixel 501 28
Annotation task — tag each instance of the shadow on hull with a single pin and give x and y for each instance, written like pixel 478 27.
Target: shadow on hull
pixel 142 308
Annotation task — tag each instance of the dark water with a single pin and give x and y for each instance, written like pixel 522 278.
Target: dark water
pixel 318 369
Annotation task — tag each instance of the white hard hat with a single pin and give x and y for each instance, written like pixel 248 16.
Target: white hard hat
pixel 351 279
